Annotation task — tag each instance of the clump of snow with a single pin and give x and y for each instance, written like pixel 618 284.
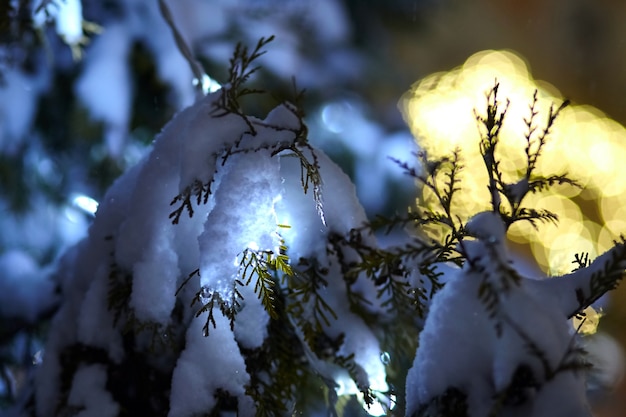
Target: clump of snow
pixel 18 98
pixel 26 291
pixel 478 343
pixel 251 323
pixel 67 16
pixel 193 385
pixel 104 86
pixel 95 323
pixel 245 217
pixel 89 393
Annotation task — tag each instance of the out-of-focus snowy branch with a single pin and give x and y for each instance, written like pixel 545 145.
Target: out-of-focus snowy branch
pixel 69 22
pixel 200 80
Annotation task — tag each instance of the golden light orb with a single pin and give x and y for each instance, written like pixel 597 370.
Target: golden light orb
pixel 584 143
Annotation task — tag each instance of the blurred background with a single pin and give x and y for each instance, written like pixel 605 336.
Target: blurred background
pixel 86 86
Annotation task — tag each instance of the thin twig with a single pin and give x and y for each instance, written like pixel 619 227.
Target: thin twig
pixel 196 67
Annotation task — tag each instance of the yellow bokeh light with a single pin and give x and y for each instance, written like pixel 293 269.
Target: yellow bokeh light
pixel 583 143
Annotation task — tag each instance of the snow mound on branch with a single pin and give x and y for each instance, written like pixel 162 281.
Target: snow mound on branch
pixel 25 290
pixel 193 385
pixel 174 227
pixel 495 339
pixel 89 393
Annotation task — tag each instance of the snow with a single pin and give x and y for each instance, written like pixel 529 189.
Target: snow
pixel 252 320
pixel 95 322
pixel 206 364
pixel 89 393
pixel 566 288
pixel 243 214
pixel 254 194
pixel 343 126
pixel 25 290
pixel 104 85
pixel 18 98
pixel 160 265
pixel 69 21
pixel 607 358
pixel 476 350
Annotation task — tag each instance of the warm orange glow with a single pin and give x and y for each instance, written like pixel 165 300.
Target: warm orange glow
pixel 584 143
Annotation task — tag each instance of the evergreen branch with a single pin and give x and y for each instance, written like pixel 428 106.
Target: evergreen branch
pixel 581 260
pixel 449 168
pixel 231 308
pixel 533 216
pixel 239 72
pixel 358 375
pixel 265 264
pixel 310 175
pixel 537 184
pixel 305 298
pixel 191 275
pixel 279 371
pixel 212 297
pixel 534 147
pixel 260 264
pixel 535 143
pixel 451 185
pixel 498 278
pixel 491 125
pixel 201 192
pixel 386 268
pixel 608 276
pixel 185 199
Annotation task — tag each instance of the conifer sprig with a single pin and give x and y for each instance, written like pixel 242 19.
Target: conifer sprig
pixel 306 300
pixel 240 70
pixel 210 299
pixel 298 146
pixel 605 277
pixel 490 126
pixel 197 189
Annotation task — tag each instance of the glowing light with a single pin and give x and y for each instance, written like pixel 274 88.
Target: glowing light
pixel 209 85
pixel 86 204
pixel 334 115
pixel 583 143
pixel 588 322
pixel 381 405
pixel 345 385
pixel 383 402
pixel 69 23
pixel 38 357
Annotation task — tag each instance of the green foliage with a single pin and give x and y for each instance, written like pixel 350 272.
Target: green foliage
pixel 306 302
pixel 264 264
pixel 240 70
